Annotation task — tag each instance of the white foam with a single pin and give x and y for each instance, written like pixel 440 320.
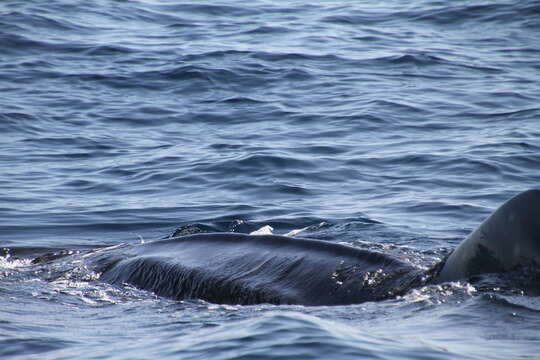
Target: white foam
pixel 296 231
pixel 7 263
pixel 265 230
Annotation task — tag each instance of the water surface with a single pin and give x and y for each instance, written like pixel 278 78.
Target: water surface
pixel 392 127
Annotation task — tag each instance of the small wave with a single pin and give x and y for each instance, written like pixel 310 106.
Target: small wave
pixel 193 78
pixel 18 347
pixel 241 100
pixel 219 10
pixel 501 13
pixel 107 50
pixel 31 20
pixel 268 30
pixel 19 123
pixel 517 302
pixel 260 164
pixel 415 59
pixel 13 44
pixel 519 114
pixel 359 18
pixel 293 335
pixel 276 57
pixel 394 106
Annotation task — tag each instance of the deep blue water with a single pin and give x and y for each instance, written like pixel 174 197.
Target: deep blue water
pixel 396 127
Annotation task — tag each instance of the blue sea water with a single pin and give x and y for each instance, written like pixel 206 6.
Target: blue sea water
pixel 391 126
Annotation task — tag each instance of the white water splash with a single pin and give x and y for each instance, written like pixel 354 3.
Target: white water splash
pixel 265 230
pixel 268 230
pixel 9 263
pixel 296 231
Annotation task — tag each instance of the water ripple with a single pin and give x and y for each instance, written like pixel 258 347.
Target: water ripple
pixel 387 126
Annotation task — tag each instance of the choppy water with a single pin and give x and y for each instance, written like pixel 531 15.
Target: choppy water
pixel 391 126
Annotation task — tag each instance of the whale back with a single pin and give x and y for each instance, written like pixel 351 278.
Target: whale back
pixel 507 239
pixel 247 269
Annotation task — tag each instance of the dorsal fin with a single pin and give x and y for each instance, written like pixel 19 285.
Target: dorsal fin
pixel 508 238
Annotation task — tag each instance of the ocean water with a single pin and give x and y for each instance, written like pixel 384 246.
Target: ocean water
pixel 390 126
